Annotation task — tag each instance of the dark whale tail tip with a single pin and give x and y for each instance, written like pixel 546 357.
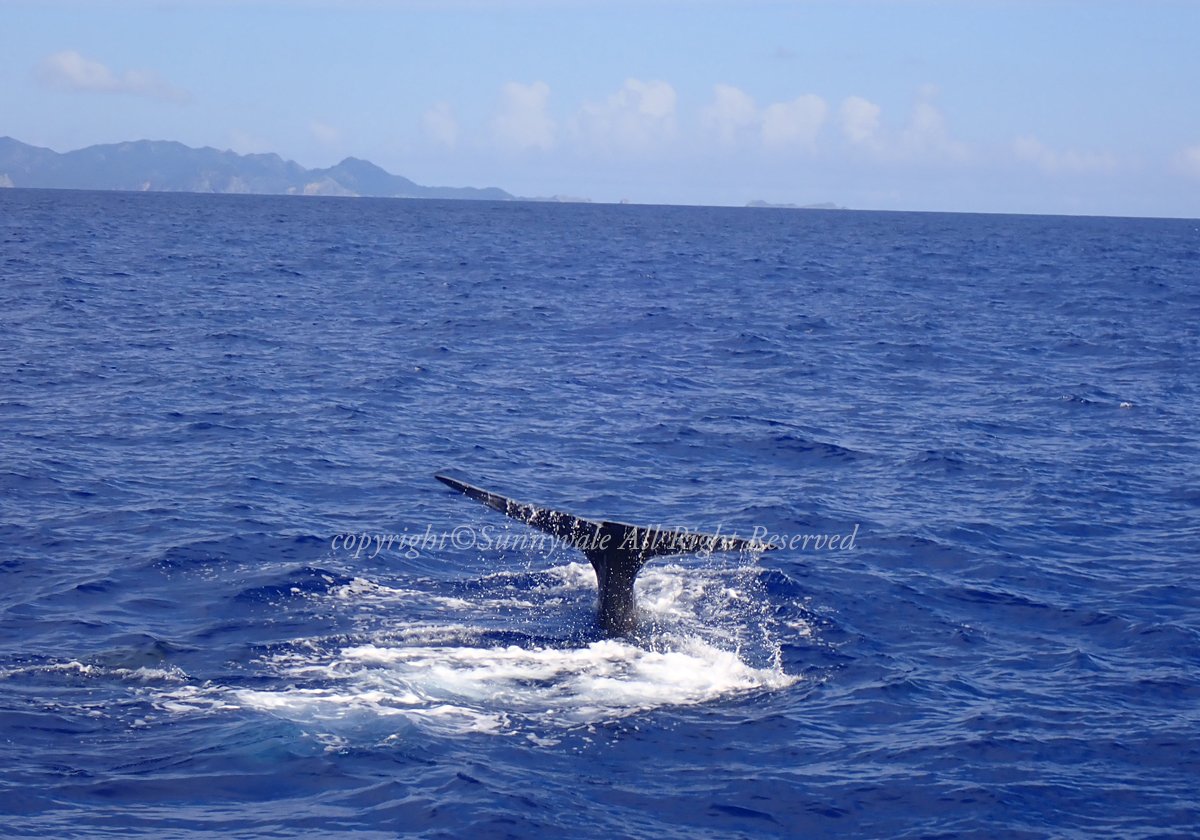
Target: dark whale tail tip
pixel 453 483
pixel 616 551
pixel 490 499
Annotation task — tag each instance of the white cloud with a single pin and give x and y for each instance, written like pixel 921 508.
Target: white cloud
pixel 522 122
pixel 640 116
pixel 69 70
pixel 1035 151
pixel 795 123
pixel 924 137
pixel 926 134
pixel 734 117
pixel 1188 161
pixel 326 135
pixel 440 126
pixel 731 112
pixel 860 119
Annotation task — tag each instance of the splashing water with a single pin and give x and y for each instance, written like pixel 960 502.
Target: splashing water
pixel 696 646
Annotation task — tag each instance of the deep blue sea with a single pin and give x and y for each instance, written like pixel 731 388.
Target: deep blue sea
pixel 202 397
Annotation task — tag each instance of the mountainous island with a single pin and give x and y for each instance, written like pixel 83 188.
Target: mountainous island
pixel 167 166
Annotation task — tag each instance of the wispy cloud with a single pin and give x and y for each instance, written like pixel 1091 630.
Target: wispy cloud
pixel 247 144
pixel 1038 153
pixel 638 117
pixel 1188 161
pixel 440 126
pixel 326 135
pixel 68 70
pixel 523 121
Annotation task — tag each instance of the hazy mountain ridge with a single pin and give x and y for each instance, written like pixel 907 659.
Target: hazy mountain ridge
pixel 169 166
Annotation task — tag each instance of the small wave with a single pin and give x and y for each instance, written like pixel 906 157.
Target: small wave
pixel 73 669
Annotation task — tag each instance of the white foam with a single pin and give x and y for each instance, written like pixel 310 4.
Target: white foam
pixel 191 699
pixel 475 689
pixel 710 642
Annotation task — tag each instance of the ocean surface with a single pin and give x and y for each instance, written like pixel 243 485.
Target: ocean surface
pixel 988 428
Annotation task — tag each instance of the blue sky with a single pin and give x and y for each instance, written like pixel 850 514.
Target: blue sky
pixel 1038 107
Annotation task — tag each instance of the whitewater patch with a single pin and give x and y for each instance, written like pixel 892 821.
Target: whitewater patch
pixel 604 680
pixel 705 639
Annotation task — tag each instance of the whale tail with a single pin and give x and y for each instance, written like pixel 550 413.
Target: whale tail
pixel 616 551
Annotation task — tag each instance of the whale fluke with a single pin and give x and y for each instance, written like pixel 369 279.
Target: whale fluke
pixel 616 551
